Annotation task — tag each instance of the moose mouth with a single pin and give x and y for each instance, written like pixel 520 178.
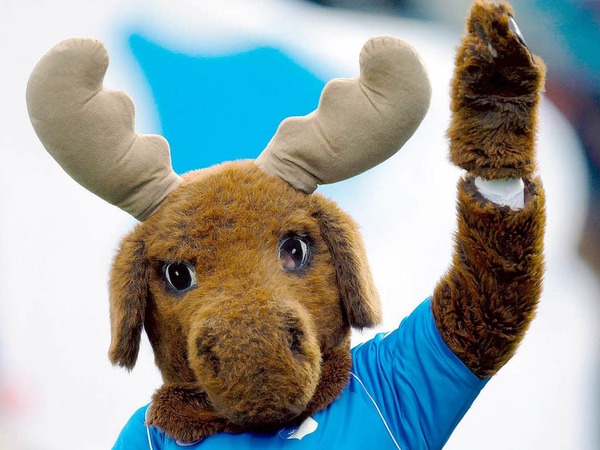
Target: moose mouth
pixel 186 412
pixel 257 375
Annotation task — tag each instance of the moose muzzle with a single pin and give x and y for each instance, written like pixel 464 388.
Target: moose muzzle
pixel 259 361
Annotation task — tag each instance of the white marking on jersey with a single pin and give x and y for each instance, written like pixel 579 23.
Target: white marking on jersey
pixel 307 427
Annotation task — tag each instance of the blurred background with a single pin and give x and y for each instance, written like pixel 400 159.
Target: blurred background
pixel 215 78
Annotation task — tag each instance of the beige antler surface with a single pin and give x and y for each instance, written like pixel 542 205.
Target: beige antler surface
pixel 90 131
pixel 359 123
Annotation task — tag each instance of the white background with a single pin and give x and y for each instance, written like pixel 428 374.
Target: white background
pixel 57 240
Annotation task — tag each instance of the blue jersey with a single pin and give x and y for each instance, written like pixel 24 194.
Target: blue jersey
pixel 407 390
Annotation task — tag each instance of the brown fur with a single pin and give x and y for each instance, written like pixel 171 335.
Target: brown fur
pixel 128 302
pixel 222 348
pixel 186 412
pixel 361 302
pixel 484 304
pixel 225 348
pixel 494 99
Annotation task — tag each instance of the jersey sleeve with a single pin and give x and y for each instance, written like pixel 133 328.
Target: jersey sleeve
pixel 135 435
pixel 419 386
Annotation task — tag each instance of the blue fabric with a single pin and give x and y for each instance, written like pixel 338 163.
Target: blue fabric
pixel 216 108
pixel 407 391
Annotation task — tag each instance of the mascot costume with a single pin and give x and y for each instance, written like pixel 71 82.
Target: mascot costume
pixel 248 284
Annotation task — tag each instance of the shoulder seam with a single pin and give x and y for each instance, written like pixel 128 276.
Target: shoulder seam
pixel 378 410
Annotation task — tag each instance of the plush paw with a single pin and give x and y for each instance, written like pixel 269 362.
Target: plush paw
pixel 496 90
pixel 493 59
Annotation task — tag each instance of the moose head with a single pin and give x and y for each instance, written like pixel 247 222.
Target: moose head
pixel 246 283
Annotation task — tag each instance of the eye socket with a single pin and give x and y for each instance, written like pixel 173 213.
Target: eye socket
pixel 294 253
pixel 180 276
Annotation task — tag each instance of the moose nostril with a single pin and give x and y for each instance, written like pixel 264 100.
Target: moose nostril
pixel 295 340
pixel 204 349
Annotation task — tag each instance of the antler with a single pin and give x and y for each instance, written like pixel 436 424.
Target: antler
pixel 359 123
pixel 90 131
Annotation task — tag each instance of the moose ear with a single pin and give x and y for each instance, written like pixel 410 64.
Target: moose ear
pixel 128 296
pixel 357 290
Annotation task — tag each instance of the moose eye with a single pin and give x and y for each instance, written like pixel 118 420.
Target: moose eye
pixel 180 276
pixel 294 252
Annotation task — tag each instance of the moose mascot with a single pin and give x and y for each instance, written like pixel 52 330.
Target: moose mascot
pixel 248 284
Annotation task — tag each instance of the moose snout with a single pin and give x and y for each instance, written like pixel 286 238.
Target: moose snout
pixel 259 364
pixel 293 336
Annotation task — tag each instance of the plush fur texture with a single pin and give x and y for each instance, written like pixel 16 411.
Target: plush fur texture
pixel 186 412
pixel 252 346
pixel 484 304
pixel 496 90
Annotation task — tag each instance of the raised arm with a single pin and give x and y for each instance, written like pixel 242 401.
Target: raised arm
pixel 488 297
